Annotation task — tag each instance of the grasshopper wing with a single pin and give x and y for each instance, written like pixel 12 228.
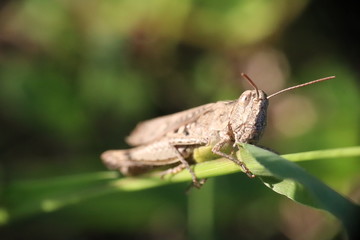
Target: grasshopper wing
pixel 150 130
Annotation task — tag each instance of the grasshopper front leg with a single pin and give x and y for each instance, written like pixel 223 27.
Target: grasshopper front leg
pixel 217 150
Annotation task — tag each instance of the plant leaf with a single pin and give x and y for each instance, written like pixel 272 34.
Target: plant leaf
pixel 282 176
pixel 290 180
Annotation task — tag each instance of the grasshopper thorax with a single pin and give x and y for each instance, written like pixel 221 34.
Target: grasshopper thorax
pixel 248 117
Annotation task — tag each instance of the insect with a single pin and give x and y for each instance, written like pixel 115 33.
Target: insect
pixel 170 140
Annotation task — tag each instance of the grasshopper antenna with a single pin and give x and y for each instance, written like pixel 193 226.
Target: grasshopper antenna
pixel 251 83
pixel 301 85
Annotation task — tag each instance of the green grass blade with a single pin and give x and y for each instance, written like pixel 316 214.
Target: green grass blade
pixel 288 179
pixel 26 198
pixel 323 154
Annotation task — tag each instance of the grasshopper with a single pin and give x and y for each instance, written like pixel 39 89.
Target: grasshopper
pixel 170 140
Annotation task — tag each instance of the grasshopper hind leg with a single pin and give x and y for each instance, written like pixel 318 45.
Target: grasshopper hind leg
pixel 185 165
pixel 119 160
pixel 183 144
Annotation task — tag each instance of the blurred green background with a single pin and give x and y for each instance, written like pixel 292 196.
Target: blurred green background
pixel 76 77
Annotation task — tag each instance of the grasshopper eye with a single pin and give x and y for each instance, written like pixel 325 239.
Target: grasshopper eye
pixel 245 98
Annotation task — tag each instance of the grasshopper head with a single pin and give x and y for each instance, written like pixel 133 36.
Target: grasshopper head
pixel 248 117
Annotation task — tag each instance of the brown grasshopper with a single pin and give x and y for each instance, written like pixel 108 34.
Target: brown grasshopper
pixel 170 140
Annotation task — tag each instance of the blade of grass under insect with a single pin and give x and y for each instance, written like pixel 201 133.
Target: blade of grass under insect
pixel 290 180
pixel 323 154
pixel 26 198
pixel 46 195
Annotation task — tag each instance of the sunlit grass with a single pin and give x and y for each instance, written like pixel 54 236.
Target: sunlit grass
pixel 284 177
